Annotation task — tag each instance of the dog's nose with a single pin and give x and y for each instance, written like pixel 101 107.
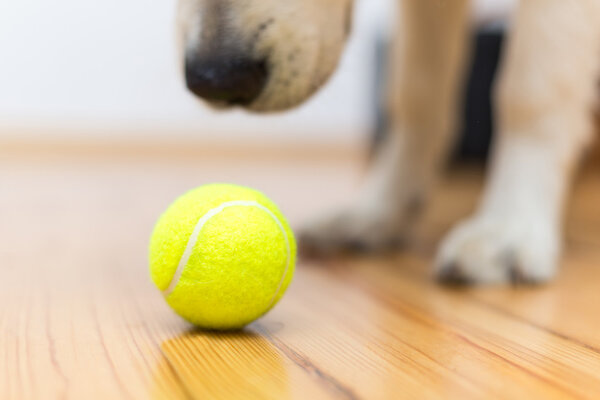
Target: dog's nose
pixel 236 81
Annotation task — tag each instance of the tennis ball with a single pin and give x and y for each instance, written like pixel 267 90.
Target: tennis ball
pixel 223 255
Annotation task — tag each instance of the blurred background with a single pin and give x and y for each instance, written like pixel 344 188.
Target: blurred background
pixel 108 71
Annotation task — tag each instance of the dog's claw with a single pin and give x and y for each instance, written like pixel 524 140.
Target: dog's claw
pixel 354 231
pixel 497 250
pixel 452 275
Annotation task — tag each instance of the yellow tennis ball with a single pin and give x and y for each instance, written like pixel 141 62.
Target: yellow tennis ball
pixel 223 255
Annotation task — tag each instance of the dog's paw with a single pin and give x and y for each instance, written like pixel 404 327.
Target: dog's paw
pixel 499 250
pixel 352 229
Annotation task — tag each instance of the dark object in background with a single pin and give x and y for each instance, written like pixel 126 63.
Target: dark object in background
pixel 478 117
pixel 477 125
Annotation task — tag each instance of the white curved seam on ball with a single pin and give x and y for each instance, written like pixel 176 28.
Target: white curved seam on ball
pixel 289 255
pixel 185 257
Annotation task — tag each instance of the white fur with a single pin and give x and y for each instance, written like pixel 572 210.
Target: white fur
pixel 545 95
pixel 427 61
pixel 544 98
pixel 516 234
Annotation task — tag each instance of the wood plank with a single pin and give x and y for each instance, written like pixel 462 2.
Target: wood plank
pixel 80 318
pixel 562 307
pixel 556 362
pixel 237 365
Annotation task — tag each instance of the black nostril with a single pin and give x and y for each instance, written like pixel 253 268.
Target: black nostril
pixel 226 79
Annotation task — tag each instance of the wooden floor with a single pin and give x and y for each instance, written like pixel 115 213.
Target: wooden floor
pixel 80 319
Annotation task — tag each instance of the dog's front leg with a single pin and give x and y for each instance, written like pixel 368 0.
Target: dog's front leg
pixel 545 95
pixel 427 64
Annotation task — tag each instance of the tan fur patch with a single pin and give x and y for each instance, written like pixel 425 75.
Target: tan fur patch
pixel 301 40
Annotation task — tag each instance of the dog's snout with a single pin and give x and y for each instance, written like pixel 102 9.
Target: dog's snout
pixel 235 81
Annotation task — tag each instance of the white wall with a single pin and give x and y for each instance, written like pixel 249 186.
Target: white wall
pixel 109 66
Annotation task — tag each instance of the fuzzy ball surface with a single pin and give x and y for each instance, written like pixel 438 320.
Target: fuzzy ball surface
pixel 222 255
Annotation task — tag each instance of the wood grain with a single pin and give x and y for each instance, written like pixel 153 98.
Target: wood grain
pixel 80 318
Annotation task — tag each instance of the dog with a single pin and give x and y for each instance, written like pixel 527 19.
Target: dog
pixel 271 55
